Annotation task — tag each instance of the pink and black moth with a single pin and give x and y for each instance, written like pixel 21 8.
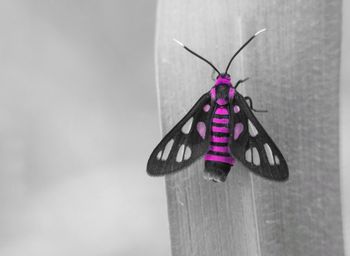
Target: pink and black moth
pixel 222 127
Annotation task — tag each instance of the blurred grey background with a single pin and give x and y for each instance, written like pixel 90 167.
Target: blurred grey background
pixel 78 119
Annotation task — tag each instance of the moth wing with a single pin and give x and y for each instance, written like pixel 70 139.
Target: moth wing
pixel 187 141
pixel 251 144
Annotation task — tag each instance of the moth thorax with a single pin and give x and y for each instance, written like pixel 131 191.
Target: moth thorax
pixel 222 101
pixel 222 94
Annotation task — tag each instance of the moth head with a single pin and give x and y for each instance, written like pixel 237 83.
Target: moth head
pixel 223 79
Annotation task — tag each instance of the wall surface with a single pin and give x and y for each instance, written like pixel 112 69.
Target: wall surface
pixel 295 75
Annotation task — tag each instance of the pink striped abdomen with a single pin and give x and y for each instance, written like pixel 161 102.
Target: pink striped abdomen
pixel 219 139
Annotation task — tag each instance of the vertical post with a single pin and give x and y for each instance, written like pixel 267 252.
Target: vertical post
pixel 294 70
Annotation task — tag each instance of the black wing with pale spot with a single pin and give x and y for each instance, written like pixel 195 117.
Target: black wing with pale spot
pixel 187 141
pixel 251 144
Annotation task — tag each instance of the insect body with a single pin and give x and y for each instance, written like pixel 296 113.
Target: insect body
pixel 218 159
pixel 222 127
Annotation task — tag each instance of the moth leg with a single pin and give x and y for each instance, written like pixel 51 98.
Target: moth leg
pixel 250 101
pixel 241 81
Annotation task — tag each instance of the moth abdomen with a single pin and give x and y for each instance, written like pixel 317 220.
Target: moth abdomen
pixel 218 160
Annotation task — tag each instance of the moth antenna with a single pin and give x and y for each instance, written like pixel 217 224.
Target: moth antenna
pixel 177 41
pixel 197 55
pixel 241 48
pixel 260 31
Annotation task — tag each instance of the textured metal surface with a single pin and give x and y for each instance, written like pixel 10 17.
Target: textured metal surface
pixel 294 70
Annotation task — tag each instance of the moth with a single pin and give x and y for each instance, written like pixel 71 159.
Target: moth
pixel 222 127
